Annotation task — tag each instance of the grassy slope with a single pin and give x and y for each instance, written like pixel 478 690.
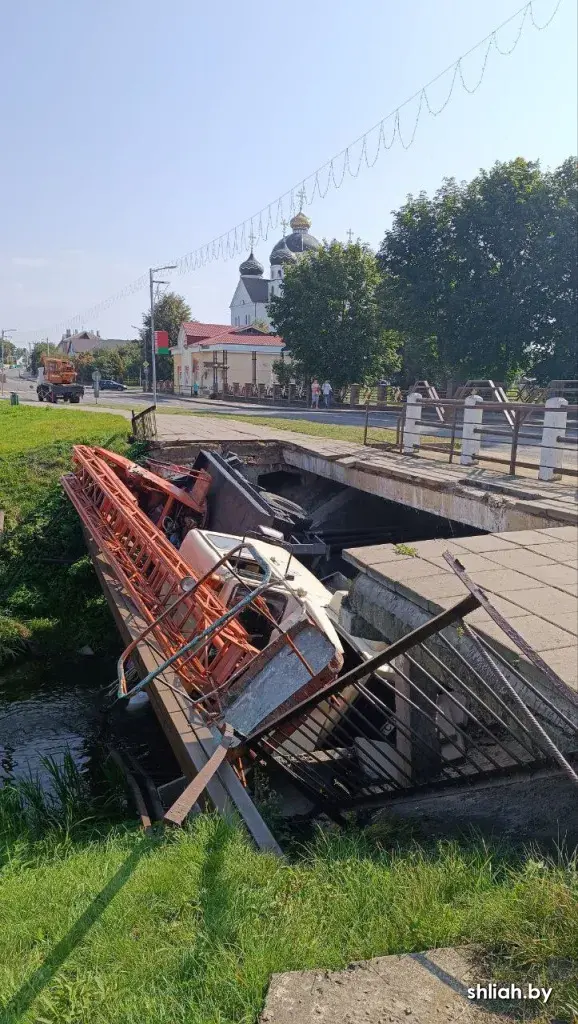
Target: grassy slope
pixel 35 445
pixel 48 590
pixel 188 927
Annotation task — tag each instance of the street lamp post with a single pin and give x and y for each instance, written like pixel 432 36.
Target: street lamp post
pixel 3 333
pixel 152 282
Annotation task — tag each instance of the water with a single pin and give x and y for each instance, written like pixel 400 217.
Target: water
pixel 49 708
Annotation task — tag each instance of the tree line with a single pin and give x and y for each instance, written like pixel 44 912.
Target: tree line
pixel 478 280
pixel 125 362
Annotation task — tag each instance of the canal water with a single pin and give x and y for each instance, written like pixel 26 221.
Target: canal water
pixel 51 708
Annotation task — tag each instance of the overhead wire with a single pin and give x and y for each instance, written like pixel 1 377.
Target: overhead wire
pixel 332 173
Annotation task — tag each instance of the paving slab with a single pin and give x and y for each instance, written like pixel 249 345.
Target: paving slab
pixel 560 551
pixel 534 591
pixel 413 988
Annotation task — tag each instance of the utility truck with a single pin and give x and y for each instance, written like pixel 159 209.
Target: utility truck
pixel 57 379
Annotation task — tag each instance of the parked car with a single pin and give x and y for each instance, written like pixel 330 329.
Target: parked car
pixel 112 385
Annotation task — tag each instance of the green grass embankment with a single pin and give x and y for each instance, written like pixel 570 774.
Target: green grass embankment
pixel 186 927
pixel 49 595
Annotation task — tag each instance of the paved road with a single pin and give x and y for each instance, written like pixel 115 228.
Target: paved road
pixel 134 398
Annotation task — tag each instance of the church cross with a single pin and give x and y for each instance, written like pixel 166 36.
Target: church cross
pixel 301 196
pixel 349 236
pixel 252 239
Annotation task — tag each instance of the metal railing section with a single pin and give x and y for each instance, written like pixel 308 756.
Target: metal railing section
pixel 144 424
pixel 431 716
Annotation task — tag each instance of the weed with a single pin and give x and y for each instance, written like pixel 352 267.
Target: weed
pixel 406 549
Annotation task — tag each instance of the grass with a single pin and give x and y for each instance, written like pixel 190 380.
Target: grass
pixel 311 427
pixel 101 923
pixel 49 596
pixel 35 446
pixel 25 426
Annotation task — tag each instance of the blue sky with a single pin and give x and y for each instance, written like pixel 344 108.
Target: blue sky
pixel 133 131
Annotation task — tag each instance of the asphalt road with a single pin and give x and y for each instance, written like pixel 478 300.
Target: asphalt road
pixel 135 398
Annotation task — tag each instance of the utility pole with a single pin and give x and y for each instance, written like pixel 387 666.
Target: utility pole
pixel 152 282
pixel 3 333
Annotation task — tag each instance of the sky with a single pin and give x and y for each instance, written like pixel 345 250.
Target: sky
pixel 133 132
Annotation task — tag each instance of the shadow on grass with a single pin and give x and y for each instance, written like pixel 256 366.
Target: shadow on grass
pixel 22 1000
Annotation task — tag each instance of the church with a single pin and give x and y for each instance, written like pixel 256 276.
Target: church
pixel 254 292
pixel 216 357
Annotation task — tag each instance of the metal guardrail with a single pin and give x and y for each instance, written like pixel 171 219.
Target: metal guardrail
pixel 520 425
pixel 439 711
pixel 144 424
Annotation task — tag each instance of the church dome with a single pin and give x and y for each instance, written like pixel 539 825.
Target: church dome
pixel 299 240
pixel 281 254
pixel 300 222
pixel 250 267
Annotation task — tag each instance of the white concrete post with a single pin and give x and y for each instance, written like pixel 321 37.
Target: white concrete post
pixel 551 453
pixel 412 426
pixel 471 441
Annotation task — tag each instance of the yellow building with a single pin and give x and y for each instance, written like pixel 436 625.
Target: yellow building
pixel 221 358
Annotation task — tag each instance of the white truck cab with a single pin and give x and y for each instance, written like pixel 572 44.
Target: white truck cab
pixel 297 593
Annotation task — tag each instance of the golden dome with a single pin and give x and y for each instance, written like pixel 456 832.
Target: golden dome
pixel 300 222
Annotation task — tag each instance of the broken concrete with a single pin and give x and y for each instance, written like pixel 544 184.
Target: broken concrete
pixel 414 988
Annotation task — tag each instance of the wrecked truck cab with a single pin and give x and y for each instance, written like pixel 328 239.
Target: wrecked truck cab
pixel 298 592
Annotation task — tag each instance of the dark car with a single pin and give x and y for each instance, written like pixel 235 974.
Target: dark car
pixel 112 385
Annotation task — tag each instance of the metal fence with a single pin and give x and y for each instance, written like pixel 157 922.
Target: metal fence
pixel 512 435
pixel 440 711
pixel 144 424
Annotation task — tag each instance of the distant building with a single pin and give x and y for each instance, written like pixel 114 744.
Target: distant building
pixel 254 292
pixel 216 356
pixel 86 341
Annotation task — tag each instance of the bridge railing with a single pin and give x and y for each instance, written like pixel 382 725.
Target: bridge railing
pixel 144 424
pixel 517 436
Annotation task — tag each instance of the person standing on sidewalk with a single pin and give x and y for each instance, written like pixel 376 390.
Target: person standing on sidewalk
pixel 327 391
pixel 315 390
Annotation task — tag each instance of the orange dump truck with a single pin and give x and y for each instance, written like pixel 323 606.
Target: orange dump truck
pixel 57 379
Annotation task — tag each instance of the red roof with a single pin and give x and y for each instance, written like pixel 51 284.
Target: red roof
pixel 195 331
pixel 224 334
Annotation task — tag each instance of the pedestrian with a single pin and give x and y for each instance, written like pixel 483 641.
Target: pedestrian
pixel 195 390
pixel 327 390
pixel 315 390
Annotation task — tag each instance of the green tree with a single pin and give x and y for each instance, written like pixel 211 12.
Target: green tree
pixel 170 312
pixel 481 279
pixel 38 351
pixel 9 349
pixel 284 371
pixel 330 319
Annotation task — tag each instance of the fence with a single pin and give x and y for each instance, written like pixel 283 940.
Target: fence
pixel 144 424
pixel 516 435
pixel 444 707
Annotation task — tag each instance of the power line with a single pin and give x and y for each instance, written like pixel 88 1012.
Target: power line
pixel 362 153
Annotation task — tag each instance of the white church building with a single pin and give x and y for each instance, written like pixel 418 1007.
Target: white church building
pixel 254 292
pixel 218 357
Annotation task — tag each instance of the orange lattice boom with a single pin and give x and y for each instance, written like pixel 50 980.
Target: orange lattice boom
pixel 150 569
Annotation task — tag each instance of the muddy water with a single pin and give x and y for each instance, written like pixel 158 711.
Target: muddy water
pixel 50 708
pixel 47 709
